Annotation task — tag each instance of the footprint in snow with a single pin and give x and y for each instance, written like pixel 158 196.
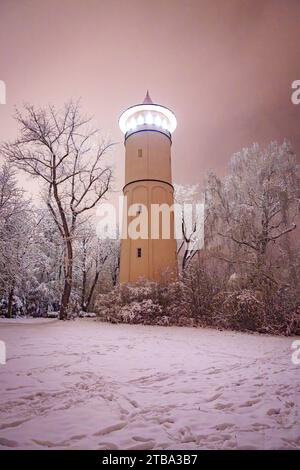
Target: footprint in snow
pixel 224 406
pixel 8 443
pixel 143 446
pixel 214 397
pixel 223 426
pixel 108 446
pixel 215 371
pixel 109 429
pixel 273 411
pixel 249 403
pixel 13 424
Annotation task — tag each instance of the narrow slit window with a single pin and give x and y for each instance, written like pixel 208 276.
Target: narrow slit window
pixel 140 153
pixel 139 252
pixel 139 211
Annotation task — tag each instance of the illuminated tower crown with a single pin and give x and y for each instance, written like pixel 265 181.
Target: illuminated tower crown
pixel 147 116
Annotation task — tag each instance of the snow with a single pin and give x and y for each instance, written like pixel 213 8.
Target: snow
pixel 89 385
pixel 25 321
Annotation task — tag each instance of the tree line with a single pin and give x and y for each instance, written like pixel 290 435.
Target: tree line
pixel 62 150
pixel 51 257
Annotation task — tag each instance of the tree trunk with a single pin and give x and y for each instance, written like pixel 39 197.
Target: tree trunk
pixel 114 276
pixel 88 302
pixel 63 312
pixel 83 289
pixel 10 301
pixel 68 260
pixel 84 276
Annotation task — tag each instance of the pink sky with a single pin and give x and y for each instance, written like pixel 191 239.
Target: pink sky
pixel 225 67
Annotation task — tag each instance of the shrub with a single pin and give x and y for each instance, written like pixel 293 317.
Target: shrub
pixel 240 310
pixel 200 300
pixel 149 303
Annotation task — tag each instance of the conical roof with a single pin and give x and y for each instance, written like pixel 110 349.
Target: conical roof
pixel 147 99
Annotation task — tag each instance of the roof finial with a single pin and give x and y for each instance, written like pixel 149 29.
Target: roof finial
pixel 147 99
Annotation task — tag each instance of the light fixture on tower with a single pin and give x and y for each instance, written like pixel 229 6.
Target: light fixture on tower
pixel 147 116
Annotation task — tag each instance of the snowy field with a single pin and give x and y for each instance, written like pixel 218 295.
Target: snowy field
pixel 89 385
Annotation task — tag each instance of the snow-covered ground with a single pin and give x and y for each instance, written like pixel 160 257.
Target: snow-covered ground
pixel 26 321
pixel 85 384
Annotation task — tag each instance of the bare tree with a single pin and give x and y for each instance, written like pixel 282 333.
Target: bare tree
pixel 92 258
pixel 115 261
pixel 191 224
pixel 62 150
pixel 11 197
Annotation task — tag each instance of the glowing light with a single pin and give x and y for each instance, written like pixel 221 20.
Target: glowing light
pixel 149 119
pixel 151 112
pixel 140 120
pixel 133 123
pixel 157 121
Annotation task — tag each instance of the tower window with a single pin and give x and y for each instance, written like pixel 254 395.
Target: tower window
pixel 140 153
pixel 139 209
pixel 139 252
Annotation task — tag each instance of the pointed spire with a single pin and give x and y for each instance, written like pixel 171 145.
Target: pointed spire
pixel 147 99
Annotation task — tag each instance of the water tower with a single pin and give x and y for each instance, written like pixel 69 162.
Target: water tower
pixel 148 129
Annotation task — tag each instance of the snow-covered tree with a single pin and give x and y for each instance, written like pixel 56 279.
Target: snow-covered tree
pixel 67 156
pixel 187 197
pixel 255 206
pixel 15 235
pixel 94 257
